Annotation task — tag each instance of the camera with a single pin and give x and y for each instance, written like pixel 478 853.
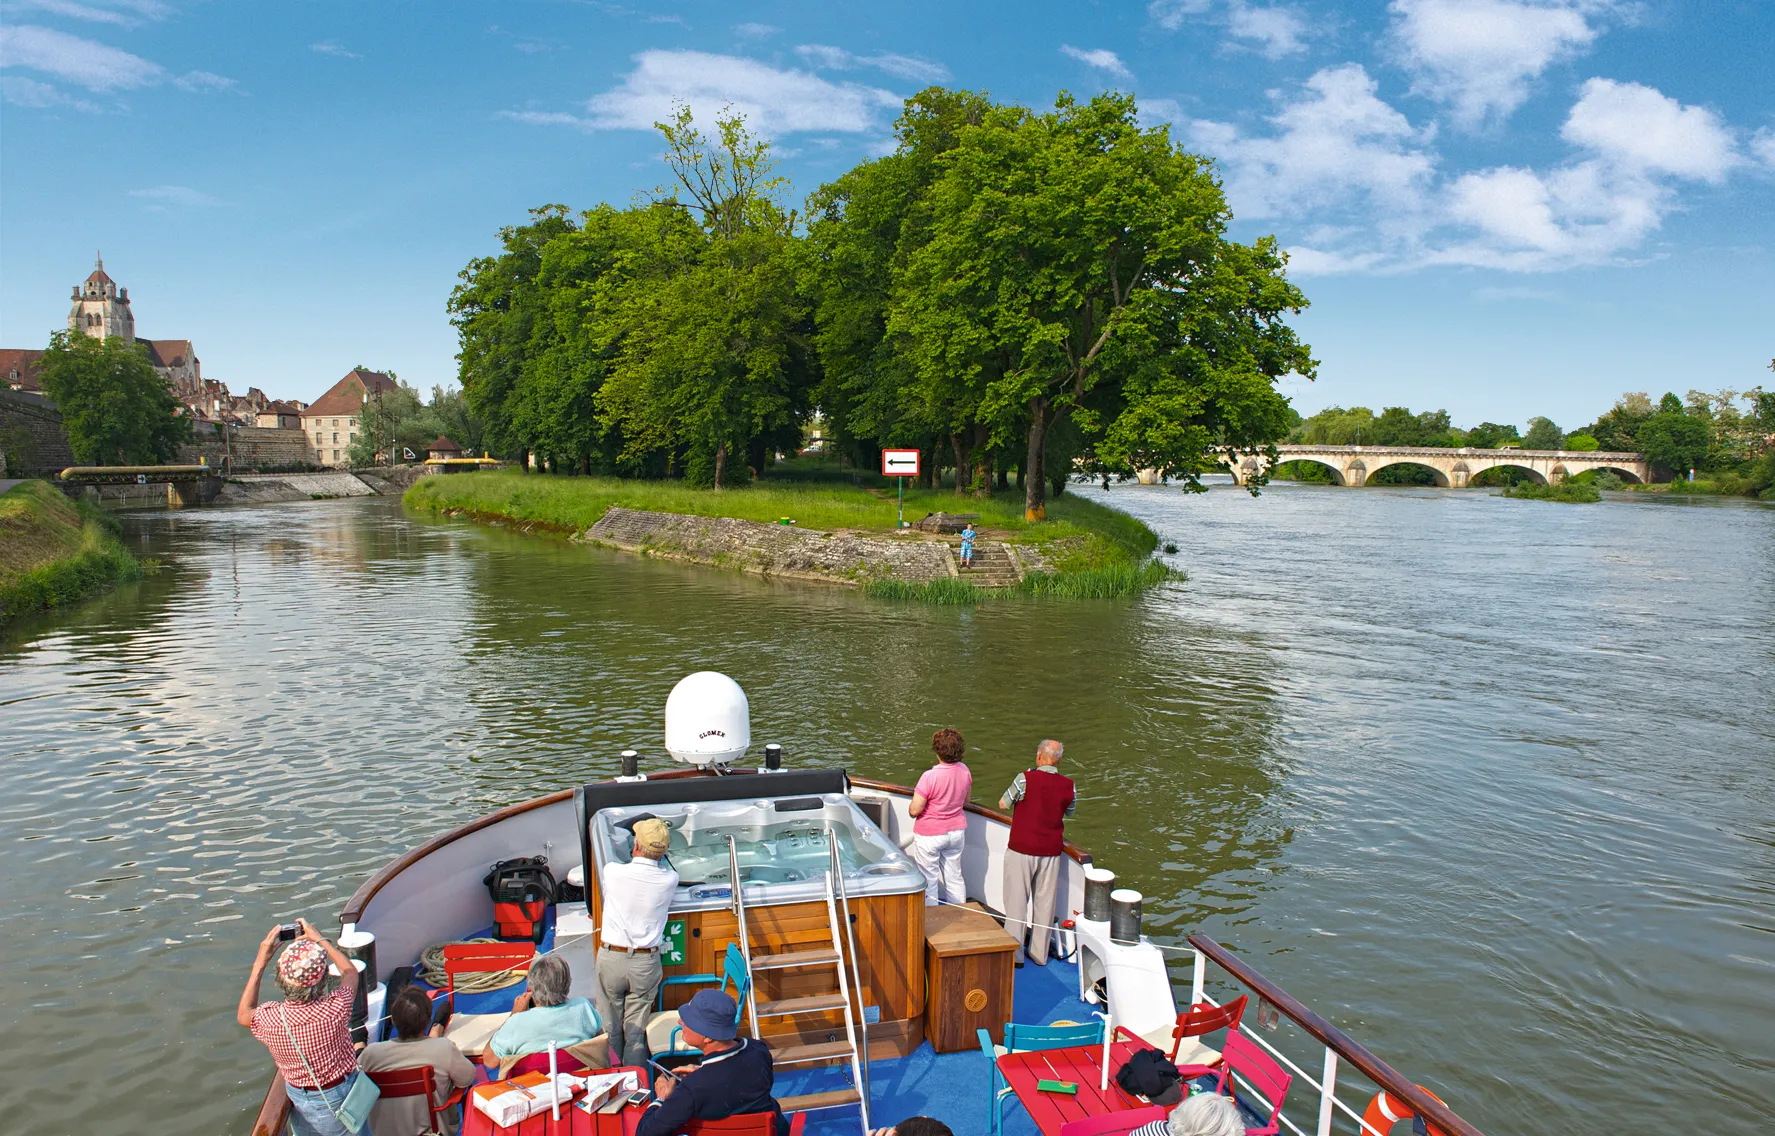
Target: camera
pixel 288 931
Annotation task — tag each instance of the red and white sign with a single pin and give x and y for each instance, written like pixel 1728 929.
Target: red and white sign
pixel 899 463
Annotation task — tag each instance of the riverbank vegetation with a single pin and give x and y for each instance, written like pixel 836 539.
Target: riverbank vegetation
pixel 1572 492
pixel 1093 551
pixel 54 551
pixel 1008 290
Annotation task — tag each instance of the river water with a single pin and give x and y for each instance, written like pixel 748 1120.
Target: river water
pixel 1489 783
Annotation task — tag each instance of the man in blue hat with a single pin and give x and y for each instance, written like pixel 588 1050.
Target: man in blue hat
pixel 734 1077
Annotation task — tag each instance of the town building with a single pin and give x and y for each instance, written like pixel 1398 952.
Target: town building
pixel 279 415
pixel 443 448
pixel 18 369
pixel 331 421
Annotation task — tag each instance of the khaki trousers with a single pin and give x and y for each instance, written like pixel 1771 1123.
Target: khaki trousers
pixel 1030 882
pixel 627 986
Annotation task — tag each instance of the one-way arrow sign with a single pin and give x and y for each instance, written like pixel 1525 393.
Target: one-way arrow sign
pixel 899 463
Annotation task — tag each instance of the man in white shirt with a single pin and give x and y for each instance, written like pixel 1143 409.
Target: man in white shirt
pixel 636 899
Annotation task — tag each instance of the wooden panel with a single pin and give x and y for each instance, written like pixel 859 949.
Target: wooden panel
pixel 970 965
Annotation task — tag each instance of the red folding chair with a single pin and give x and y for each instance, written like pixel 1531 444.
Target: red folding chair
pixel 1242 1056
pixel 565 1062
pixel 485 958
pixel 746 1124
pixel 397 1083
pixel 1204 1018
pixel 1114 1123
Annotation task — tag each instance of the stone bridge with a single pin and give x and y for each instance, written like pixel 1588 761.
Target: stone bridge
pixel 1354 465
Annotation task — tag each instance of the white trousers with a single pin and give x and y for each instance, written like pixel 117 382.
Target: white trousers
pixel 939 858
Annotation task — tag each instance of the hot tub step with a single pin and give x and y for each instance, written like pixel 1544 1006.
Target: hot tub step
pixel 808 1101
pixel 819 1051
pixel 807 1005
pixel 823 956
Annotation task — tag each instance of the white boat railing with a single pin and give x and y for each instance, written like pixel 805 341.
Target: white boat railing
pixel 1337 1046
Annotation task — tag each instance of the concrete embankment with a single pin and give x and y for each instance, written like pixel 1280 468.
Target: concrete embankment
pixel 785 551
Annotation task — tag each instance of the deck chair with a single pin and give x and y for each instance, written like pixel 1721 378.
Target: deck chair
pixel 485 958
pixel 746 1124
pixel 731 962
pixel 397 1083
pixel 1022 1038
pixel 1203 1018
pixel 1114 1123
pixel 664 1032
pixel 565 1062
pixel 1242 1056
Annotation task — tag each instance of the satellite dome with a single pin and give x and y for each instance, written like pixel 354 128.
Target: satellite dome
pixel 708 721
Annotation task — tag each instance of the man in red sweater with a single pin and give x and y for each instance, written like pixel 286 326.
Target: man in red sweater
pixel 1039 800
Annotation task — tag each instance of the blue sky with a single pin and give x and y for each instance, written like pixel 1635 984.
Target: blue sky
pixel 1499 207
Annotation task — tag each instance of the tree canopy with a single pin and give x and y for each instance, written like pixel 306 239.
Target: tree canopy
pixel 1047 291
pixel 115 407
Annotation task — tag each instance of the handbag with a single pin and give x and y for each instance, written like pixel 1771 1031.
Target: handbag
pixel 354 1111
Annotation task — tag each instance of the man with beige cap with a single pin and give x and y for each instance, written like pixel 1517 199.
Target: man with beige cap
pixel 636 898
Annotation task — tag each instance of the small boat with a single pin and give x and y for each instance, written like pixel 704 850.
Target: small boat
pixel 891 1008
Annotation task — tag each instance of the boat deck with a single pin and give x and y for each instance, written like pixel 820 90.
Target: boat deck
pixel 953 1087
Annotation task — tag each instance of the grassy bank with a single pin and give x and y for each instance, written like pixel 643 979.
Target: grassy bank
pixel 1093 550
pixel 1571 492
pixel 54 551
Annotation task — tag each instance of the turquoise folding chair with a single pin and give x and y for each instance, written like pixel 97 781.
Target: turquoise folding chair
pixel 1021 1039
pixel 733 969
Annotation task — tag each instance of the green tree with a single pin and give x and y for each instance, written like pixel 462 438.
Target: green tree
pixel 1582 443
pixel 1492 436
pixel 1673 439
pixel 1543 434
pixel 115 406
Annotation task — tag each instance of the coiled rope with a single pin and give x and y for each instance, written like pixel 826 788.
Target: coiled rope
pixel 431 969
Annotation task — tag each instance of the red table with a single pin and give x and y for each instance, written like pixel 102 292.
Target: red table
pixel 1083 1065
pixel 574 1121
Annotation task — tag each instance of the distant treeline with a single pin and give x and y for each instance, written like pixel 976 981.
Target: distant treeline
pixel 1711 434
pixel 1008 289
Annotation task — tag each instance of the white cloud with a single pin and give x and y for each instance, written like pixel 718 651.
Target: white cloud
pixel 1479 56
pixel 1279 30
pixel 1762 144
pixel 81 61
pixel 332 47
pixel 756 31
pixel 547 118
pixel 1099 58
pixel 1336 140
pixel 127 13
pixel 203 81
pixel 20 91
pixel 1641 129
pixel 176 195
pixel 773 101
pixel 909 67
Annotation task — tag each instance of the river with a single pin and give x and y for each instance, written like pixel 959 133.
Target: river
pixel 1489 783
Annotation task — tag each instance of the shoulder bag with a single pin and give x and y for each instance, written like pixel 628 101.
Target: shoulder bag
pixel 354 1111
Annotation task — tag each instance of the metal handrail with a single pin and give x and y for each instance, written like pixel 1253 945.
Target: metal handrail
pixel 739 914
pixel 1432 1110
pixel 850 942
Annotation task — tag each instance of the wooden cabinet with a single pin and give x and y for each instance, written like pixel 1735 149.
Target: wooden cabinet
pixel 969 964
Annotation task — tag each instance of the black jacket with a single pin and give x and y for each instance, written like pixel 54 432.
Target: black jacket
pixel 727 1084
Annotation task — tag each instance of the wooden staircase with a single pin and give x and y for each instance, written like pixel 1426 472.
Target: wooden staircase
pixel 993 566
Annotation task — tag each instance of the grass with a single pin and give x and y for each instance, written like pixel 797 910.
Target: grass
pixel 54 552
pixel 1571 492
pixel 1093 551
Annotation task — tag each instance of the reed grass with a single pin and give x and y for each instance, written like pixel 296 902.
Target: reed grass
pixel 54 552
pixel 1572 493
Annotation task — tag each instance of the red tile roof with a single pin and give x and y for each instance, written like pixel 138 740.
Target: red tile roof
pixel 168 352
pixel 98 277
pixel 280 407
pixel 442 445
pixel 347 396
pixel 24 360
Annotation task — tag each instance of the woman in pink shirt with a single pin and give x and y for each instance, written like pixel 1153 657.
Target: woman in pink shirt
pixel 941 825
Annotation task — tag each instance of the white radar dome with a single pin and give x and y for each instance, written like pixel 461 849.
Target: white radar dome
pixel 708 721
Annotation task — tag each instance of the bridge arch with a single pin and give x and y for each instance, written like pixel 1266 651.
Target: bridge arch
pixel 1441 477
pixel 1621 471
pixel 1534 474
pixel 1337 472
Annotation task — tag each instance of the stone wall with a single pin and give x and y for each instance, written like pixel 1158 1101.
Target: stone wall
pixel 774 550
pixel 31 434
pixel 253 448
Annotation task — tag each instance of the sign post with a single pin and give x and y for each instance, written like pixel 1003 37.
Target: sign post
pixel 900 464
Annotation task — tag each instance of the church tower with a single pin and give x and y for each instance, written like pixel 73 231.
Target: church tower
pixel 101 308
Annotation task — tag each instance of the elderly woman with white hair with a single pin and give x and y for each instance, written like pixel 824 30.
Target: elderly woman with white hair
pixel 307 1031
pixel 1202 1114
pixel 545 1015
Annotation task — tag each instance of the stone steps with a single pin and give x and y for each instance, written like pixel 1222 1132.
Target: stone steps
pixel 993 567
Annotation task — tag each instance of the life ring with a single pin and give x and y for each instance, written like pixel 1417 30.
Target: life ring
pixel 1386 1110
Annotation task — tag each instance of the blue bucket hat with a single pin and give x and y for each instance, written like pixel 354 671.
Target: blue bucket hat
pixel 710 1013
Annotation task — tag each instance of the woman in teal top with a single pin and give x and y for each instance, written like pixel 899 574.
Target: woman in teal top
pixel 967 546
pixel 544 1015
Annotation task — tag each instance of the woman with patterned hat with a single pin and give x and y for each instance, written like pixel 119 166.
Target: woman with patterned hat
pixel 308 1032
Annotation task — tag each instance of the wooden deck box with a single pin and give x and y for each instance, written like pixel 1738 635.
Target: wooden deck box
pixel 969 964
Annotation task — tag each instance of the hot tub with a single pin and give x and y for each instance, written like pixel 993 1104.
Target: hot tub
pixel 782 844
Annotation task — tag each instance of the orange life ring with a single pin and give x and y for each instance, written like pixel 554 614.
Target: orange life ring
pixel 1386 1110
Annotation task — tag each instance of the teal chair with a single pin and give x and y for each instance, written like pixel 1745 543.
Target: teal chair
pixel 1021 1039
pixel 733 969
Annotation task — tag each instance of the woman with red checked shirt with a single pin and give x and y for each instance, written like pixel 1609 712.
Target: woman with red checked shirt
pixel 309 1035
